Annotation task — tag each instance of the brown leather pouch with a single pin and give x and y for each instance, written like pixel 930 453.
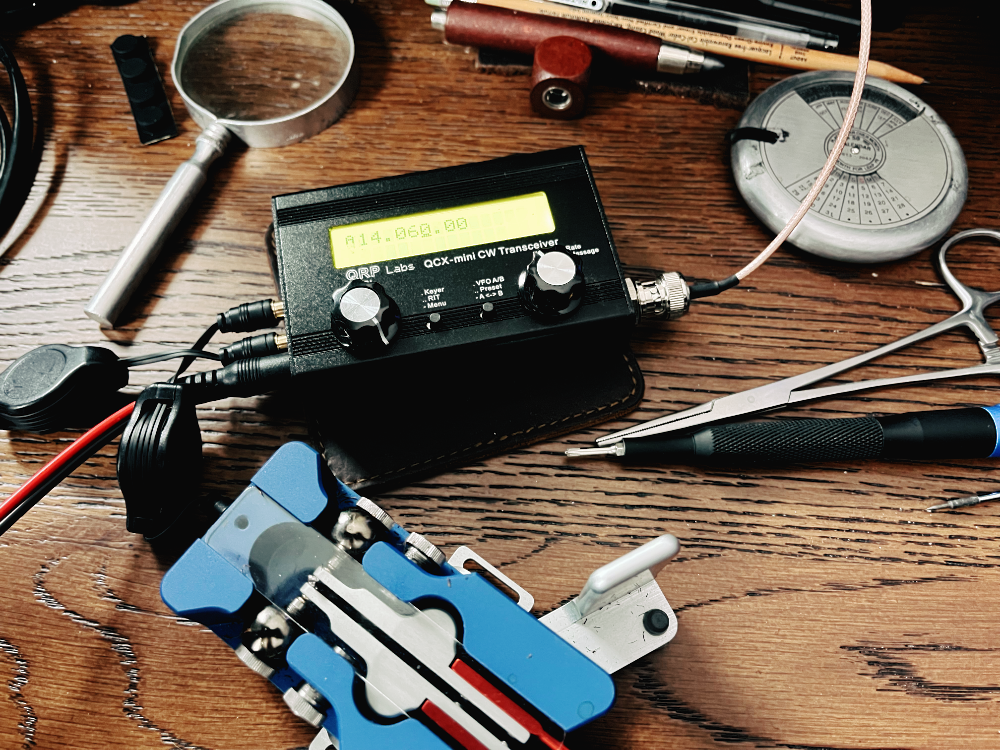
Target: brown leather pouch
pixel 414 423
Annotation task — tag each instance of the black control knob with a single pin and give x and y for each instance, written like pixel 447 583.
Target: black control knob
pixel 365 319
pixel 552 285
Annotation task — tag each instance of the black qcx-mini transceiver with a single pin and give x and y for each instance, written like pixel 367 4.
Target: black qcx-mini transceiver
pixel 434 262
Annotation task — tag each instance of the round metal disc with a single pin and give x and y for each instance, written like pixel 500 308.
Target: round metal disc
pixel 360 305
pixel 898 186
pixel 556 268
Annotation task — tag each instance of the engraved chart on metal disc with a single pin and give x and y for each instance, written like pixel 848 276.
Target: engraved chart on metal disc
pixel 894 169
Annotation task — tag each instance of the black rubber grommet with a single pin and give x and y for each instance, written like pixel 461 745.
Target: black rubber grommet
pixel 656 622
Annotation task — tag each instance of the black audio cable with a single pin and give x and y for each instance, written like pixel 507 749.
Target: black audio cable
pixel 17 162
pixel 244 377
pixel 159 456
pixel 60 467
pixel 250 316
pixel 53 385
pixel 160 451
pixel 253 365
pixel 197 346
pixel 56 385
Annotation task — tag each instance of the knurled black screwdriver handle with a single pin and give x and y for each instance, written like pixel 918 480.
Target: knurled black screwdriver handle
pixel 798 440
pixel 792 440
pixel 952 433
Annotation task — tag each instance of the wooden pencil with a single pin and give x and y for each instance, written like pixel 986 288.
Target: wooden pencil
pixel 782 55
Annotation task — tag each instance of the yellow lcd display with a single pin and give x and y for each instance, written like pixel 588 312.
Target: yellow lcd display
pixel 429 232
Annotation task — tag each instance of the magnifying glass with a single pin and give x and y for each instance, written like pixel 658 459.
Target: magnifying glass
pixel 271 73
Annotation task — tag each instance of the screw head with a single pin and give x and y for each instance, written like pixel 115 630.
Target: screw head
pixel 354 531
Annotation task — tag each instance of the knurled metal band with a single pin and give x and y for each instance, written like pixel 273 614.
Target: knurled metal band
pixel 678 296
pixel 302 708
pixel 375 512
pixel 800 440
pixel 421 544
pixel 250 659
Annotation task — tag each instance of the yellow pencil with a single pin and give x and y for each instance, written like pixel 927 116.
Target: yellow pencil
pixel 772 53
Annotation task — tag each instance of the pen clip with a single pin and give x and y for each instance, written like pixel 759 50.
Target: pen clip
pixel 597 6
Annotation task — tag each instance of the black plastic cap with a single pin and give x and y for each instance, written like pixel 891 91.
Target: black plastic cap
pixel 656 622
pixel 159 459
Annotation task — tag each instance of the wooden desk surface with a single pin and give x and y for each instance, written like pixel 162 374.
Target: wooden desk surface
pixel 819 606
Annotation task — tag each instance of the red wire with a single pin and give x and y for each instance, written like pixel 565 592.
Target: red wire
pixel 52 467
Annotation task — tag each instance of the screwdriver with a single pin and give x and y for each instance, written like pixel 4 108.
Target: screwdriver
pixel 949 433
pixel 963 502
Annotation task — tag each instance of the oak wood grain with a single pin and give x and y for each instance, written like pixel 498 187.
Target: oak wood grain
pixel 819 606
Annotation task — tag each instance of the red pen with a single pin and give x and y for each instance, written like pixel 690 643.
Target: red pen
pixel 475 25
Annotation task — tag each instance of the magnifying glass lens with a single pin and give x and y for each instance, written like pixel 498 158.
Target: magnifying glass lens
pixel 259 65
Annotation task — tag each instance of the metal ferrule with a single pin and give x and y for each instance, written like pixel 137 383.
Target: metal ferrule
pixel 277 306
pixel 439 19
pixel 667 296
pixel 678 60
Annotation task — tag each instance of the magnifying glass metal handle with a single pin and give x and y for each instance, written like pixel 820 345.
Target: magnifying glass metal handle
pixel 170 207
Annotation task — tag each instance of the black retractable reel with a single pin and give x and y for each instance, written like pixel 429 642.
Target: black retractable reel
pixel 159 459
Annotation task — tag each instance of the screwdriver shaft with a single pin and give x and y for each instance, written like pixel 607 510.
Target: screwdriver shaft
pixel 962 502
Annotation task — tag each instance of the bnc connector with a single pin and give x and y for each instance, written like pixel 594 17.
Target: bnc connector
pixel 667 296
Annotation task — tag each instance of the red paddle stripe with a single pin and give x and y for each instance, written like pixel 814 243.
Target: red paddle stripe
pixel 508 706
pixel 451 726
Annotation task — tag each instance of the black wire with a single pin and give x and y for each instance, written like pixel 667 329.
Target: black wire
pixel 711 288
pixel 43 489
pixel 198 345
pixel 5 136
pixel 148 359
pixel 17 171
pixel 115 430
pixel 196 351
